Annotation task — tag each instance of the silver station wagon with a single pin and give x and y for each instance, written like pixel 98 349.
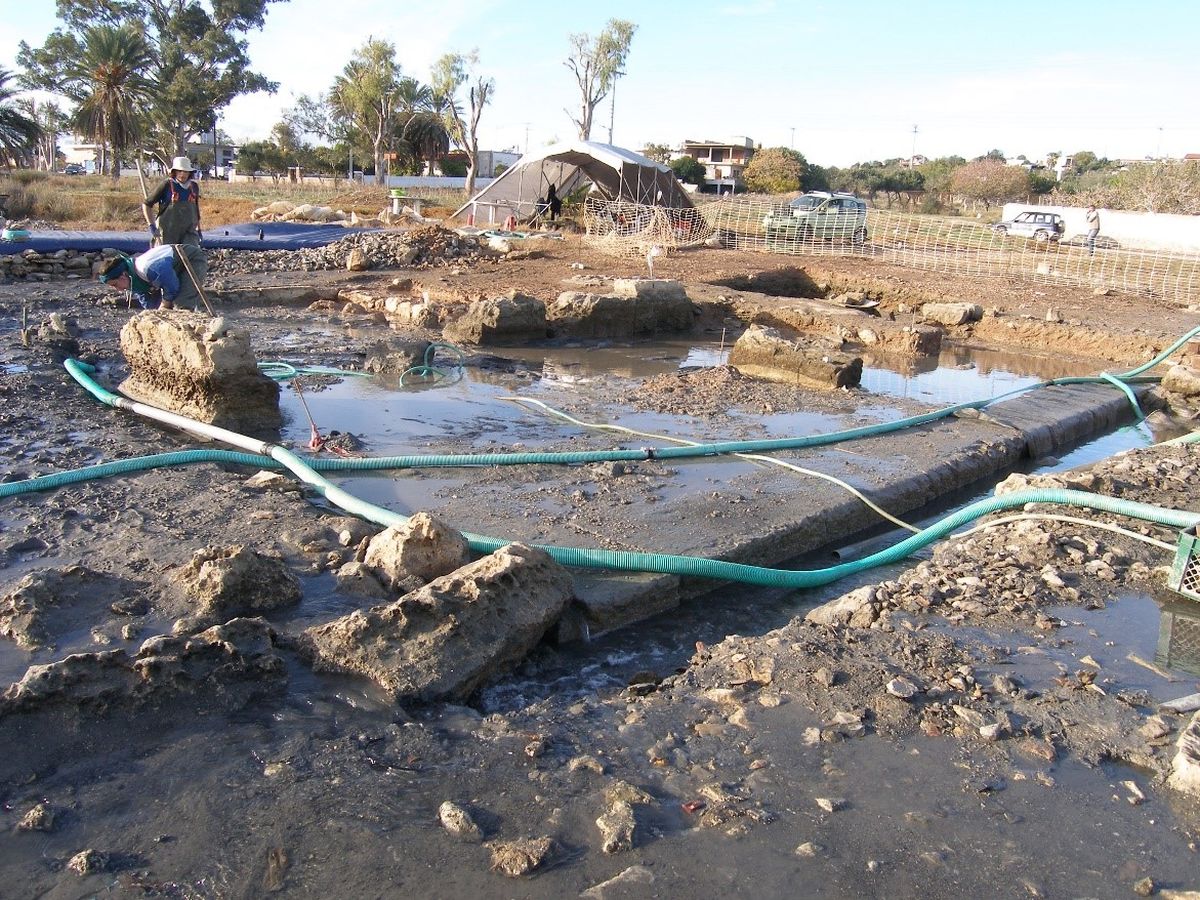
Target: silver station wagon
pixel 1041 226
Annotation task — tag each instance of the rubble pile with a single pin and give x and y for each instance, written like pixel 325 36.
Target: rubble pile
pixel 426 247
pixel 1012 573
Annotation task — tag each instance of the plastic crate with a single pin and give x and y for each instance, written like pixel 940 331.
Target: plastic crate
pixel 1179 637
pixel 1185 573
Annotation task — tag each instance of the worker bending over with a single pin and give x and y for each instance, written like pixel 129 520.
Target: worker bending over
pixel 160 277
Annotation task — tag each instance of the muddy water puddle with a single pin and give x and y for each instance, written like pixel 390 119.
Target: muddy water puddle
pixel 469 404
pixel 1131 631
pixel 394 416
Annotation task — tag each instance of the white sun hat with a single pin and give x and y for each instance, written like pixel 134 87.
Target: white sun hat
pixel 181 164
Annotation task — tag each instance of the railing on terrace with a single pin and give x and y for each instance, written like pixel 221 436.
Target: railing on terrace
pixel 933 243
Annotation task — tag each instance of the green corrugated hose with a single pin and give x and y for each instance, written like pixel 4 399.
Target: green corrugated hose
pixel 669 564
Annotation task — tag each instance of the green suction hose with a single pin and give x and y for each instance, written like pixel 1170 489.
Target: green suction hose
pixel 698 567
pixel 684 565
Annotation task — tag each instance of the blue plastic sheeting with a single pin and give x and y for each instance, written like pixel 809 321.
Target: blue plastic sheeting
pixel 275 236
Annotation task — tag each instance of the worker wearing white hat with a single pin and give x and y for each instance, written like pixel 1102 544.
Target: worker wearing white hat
pixel 178 202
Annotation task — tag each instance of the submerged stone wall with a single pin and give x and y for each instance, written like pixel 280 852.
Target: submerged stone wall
pixel 766 353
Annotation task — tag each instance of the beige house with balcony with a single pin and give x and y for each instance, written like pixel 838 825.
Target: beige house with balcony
pixel 723 161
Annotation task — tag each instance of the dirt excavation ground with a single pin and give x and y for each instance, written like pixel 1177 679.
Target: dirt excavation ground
pixel 1003 714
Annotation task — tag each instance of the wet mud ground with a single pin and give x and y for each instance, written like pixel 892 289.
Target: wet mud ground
pixel 767 756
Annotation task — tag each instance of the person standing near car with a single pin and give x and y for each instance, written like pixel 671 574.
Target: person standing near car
pixel 1093 224
pixel 178 202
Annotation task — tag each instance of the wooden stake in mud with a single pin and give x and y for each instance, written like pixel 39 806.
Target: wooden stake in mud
pixel 192 275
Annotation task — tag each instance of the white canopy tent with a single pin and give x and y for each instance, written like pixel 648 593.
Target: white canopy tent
pixel 617 173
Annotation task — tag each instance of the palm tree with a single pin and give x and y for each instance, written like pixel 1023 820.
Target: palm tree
pixel 18 132
pixel 421 133
pixel 108 82
pixel 426 137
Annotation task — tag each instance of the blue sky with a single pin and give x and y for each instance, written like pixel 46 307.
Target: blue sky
pixel 851 78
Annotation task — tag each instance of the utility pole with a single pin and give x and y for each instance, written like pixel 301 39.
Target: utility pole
pixel 912 160
pixel 1158 154
pixel 612 109
pixel 792 145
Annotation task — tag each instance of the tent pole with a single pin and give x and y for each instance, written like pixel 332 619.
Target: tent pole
pixel 521 188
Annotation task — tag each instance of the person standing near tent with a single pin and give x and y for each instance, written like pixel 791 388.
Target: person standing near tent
pixel 178 201
pixel 553 204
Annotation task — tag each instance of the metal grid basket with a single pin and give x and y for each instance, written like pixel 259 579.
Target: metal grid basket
pixel 1185 573
pixel 1179 637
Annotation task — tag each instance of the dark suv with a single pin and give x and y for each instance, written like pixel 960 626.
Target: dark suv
pixel 818 216
pixel 1041 226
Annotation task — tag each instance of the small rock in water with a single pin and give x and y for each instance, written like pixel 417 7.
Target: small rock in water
pixel 632 875
pixel 517 858
pixel 88 862
pixel 991 732
pixel 459 822
pixel 624 791
pixel 616 828
pixel 586 764
pixel 831 804
pixel 40 818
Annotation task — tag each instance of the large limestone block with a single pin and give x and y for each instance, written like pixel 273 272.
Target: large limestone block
pixel 578 314
pixel 447 638
pixel 192 365
pixel 1185 767
pixel 857 609
pixel 763 352
pixel 225 666
pixel 408 311
pixel 395 357
pixel 950 314
pixel 272 210
pixel 422 546
pixel 650 288
pixel 513 318
pixel 1183 380
pixel 225 582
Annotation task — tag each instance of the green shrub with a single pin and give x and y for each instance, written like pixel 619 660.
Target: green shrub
pixel 931 205
pixel 689 170
pixel 776 170
pixel 39 199
pixel 118 207
pixel 55 206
